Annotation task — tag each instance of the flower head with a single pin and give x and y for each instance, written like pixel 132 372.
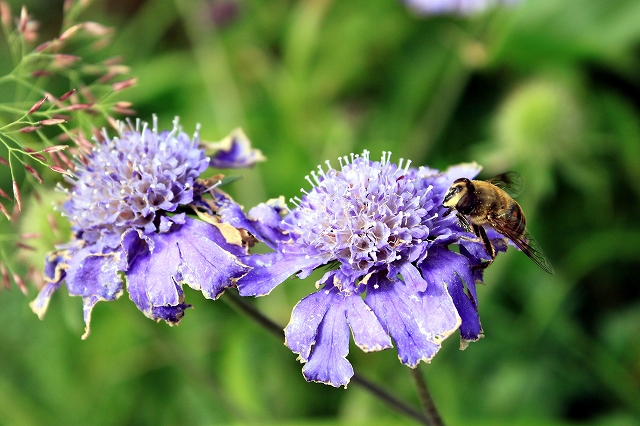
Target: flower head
pixel 124 206
pixel 129 179
pixel 383 228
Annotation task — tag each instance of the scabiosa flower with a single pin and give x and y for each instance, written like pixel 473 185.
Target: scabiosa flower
pixel 381 228
pixel 128 180
pixel 461 7
pixel 128 205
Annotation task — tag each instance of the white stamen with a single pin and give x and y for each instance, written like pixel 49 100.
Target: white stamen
pixel 406 168
pixel 315 176
pixel 308 179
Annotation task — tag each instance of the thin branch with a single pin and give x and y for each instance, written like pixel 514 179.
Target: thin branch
pixel 391 400
pixel 238 303
pixel 430 411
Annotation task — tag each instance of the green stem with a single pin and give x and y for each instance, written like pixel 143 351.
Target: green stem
pixel 239 304
pixel 430 411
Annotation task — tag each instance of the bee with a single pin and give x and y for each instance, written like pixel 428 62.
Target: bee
pixel 479 203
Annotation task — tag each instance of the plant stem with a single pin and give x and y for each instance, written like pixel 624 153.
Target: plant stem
pixel 238 303
pixel 430 411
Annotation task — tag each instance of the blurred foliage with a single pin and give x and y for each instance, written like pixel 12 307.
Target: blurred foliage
pixel 550 89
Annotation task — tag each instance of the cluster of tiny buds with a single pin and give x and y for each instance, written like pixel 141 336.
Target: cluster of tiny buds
pixel 47 60
pixel 7 275
pixel 25 26
pixel 53 151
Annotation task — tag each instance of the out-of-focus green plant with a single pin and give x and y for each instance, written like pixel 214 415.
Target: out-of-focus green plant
pixel 547 88
pixel 58 91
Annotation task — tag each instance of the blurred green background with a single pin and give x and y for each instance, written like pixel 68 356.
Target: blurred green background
pixel 550 89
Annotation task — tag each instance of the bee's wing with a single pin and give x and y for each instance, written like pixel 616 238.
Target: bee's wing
pixel 526 242
pixel 510 182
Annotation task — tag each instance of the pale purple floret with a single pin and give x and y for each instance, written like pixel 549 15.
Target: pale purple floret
pixel 383 229
pixel 123 206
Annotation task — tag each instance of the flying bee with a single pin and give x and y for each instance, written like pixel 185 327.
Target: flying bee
pixel 481 203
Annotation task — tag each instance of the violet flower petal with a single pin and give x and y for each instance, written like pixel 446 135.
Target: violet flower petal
pixel 54 273
pixel 266 219
pixel 328 363
pixel 271 269
pixel 186 255
pixel 40 304
pixel 452 269
pixel 418 322
pixel 205 265
pixel 234 152
pixel 412 278
pixel 300 333
pixel 367 331
pixel 94 277
pixel 319 333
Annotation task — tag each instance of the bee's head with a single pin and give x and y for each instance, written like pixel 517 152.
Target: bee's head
pixel 457 192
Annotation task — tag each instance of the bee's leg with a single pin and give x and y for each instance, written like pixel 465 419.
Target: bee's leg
pixel 447 212
pixel 464 223
pixel 482 234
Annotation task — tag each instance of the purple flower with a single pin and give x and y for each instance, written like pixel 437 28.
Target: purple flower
pixel 381 228
pixel 124 206
pixel 461 7
pixel 128 179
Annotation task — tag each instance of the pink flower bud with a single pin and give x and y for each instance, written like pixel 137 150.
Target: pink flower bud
pixel 18 280
pixel 34 154
pixel 76 107
pixel 59 170
pixel 52 121
pixel 29 129
pixel 63 60
pixel 55 148
pixel 3 209
pixel 120 85
pixel 5 14
pixel 25 246
pixel 24 18
pixel 41 73
pixel 66 95
pixel 43 46
pixel 30 235
pixel 37 105
pixel 33 172
pixel 69 32
pixel 95 29
pixel 16 195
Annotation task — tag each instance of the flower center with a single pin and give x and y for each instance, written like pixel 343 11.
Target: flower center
pixel 128 179
pixel 367 215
